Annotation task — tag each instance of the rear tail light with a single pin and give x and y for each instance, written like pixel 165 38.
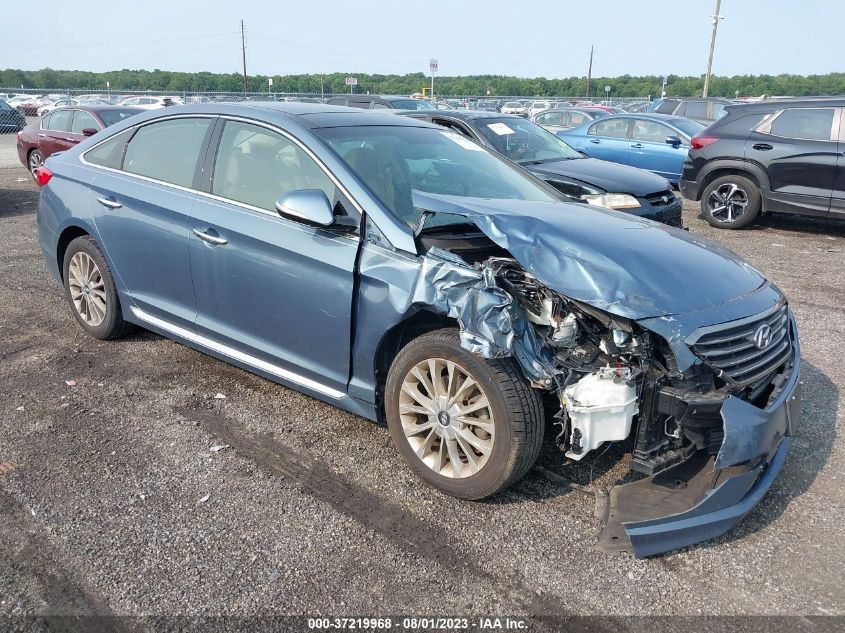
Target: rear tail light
pixel 43 175
pixel 700 142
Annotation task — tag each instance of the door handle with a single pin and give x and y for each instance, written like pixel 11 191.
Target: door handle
pixel 763 147
pixel 595 140
pixel 42 134
pixel 637 145
pixel 72 140
pixel 211 239
pixel 111 203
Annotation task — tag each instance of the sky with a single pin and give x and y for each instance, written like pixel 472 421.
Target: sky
pixel 550 38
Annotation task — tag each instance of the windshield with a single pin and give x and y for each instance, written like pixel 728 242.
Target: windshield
pixel 112 116
pixel 523 141
pixel 394 160
pixel 412 104
pixel 688 126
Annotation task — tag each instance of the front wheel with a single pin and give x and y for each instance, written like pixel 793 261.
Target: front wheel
pixel 467 426
pixel 731 202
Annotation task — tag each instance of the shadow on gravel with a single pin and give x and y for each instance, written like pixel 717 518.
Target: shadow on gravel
pixel 17 200
pixel 815 434
pixel 799 224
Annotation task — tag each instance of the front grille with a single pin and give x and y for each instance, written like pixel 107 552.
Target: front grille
pixel 732 351
pixel 660 199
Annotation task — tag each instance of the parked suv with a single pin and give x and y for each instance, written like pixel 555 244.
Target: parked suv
pixel 769 157
pixel 702 110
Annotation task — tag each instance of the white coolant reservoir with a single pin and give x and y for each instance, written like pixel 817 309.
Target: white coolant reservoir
pixel 600 406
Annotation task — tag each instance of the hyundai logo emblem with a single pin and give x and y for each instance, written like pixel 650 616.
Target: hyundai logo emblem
pixel 763 336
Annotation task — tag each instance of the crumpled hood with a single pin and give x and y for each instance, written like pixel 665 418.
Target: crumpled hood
pixel 617 262
pixel 612 177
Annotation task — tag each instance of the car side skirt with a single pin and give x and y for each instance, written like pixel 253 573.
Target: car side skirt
pixel 251 363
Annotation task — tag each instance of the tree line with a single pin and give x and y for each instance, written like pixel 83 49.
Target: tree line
pixel 624 86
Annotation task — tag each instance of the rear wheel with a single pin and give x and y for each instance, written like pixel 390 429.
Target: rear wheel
pixel 90 290
pixel 35 160
pixel 466 425
pixel 731 202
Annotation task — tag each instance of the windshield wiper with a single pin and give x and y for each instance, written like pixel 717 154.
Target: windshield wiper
pixel 544 160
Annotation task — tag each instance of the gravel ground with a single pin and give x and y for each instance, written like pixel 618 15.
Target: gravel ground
pixel 115 504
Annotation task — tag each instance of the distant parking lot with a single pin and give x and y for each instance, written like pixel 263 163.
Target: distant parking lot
pixel 139 477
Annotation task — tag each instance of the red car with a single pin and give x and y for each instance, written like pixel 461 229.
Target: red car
pixel 63 128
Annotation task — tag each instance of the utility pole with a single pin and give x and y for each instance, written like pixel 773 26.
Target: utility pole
pixel 590 72
pixel 716 18
pixel 243 53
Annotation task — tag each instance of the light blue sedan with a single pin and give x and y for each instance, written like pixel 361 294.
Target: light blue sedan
pixel 656 142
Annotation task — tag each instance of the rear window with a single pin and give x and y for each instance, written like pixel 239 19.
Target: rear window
pixel 666 107
pixel 167 150
pixel 110 117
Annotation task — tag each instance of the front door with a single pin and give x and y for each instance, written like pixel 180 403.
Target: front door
pixel 267 286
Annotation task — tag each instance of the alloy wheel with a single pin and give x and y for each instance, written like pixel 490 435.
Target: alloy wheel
pixel 446 418
pixel 35 161
pixel 87 289
pixel 727 203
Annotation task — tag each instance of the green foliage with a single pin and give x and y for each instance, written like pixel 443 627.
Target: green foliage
pixel 624 86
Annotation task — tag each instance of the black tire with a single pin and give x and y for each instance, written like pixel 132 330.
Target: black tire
pixel 516 409
pixel 113 326
pixel 728 218
pixel 34 160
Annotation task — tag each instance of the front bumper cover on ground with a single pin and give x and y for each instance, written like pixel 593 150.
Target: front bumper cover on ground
pixel 706 496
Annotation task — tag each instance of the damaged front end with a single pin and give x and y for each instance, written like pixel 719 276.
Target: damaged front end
pixel 707 410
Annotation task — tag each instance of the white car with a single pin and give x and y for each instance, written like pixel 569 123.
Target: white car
pixel 61 103
pixel 514 107
pixel 148 103
pixel 537 107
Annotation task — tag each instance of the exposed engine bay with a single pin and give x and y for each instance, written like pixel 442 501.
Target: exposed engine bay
pixel 699 383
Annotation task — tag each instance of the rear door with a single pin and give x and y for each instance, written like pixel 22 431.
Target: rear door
pixel 141 202
pixel 607 139
pixel 649 149
pixel 55 133
pixel 799 149
pixel 269 287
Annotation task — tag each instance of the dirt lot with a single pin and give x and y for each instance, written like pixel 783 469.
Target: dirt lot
pixel 310 510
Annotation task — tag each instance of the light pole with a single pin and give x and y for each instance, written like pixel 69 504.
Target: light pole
pixel 716 18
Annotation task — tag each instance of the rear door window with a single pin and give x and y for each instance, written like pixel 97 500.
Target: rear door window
pixel 59 121
pixel 667 106
pixel 167 150
pixel 695 110
pixel 813 124
pixel 109 153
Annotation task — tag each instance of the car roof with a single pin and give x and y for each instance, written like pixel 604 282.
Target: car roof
pixel 768 105
pixel 469 115
pixel 648 116
pixel 311 115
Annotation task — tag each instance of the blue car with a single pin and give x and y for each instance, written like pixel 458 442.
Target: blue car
pixel 404 273
pixel 656 142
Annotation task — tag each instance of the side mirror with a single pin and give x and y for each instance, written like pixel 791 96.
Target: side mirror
pixel 89 131
pixel 674 141
pixel 306 205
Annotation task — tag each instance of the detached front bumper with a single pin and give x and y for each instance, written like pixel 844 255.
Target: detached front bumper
pixel 706 495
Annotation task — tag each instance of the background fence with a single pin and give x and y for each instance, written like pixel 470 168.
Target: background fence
pixel 202 97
